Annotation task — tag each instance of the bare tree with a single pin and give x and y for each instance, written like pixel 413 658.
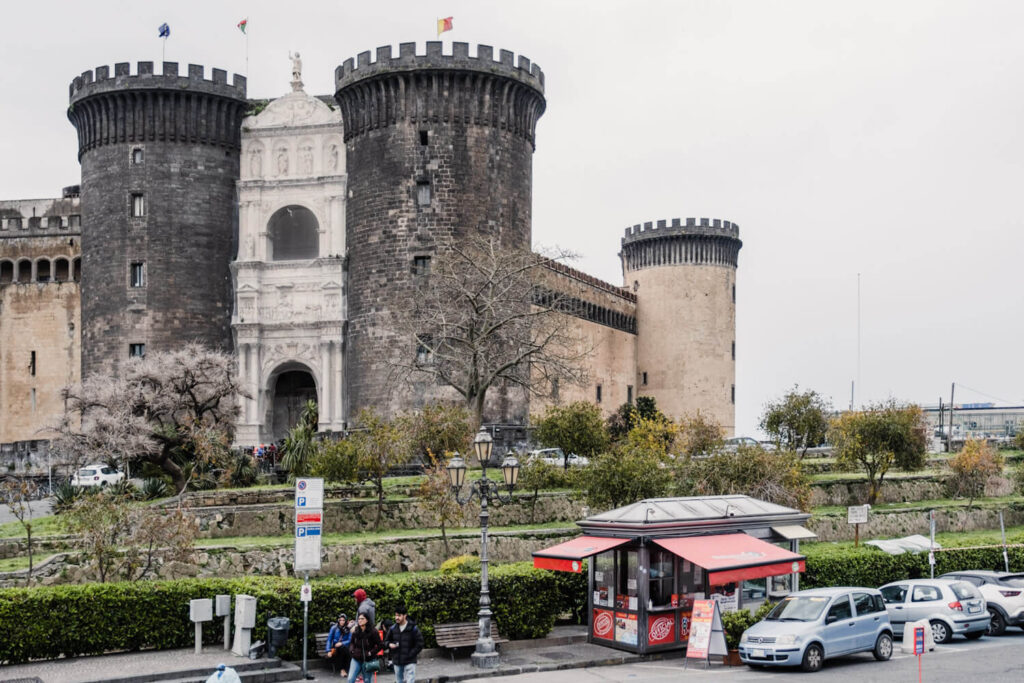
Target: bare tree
pixel 18 493
pixel 486 316
pixel 160 409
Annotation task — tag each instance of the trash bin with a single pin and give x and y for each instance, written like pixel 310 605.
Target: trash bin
pixel 277 634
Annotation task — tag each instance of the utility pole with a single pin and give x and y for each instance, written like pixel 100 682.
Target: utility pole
pixel 949 434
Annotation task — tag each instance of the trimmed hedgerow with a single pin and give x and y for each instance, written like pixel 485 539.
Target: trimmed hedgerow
pixel 869 566
pixel 86 619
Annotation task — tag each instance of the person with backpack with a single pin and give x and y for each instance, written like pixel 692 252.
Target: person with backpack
pixel 365 605
pixel 405 642
pixel 364 647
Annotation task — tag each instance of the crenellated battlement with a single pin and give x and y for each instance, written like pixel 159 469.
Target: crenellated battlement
pixel 352 71
pixel 101 80
pixel 692 226
pixel 144 107
pixel 707 242
pixel 433 88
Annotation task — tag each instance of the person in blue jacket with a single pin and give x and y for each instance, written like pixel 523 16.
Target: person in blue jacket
pixel 337 646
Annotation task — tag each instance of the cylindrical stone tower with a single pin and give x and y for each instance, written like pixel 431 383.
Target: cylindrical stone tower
pixel 684 276
pixel 159 157
pixel 439 147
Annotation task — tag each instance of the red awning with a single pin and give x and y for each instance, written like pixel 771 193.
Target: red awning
pixel 734 557
pixel 565 557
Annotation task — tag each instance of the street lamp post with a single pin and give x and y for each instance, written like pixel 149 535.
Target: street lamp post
pixel 485 656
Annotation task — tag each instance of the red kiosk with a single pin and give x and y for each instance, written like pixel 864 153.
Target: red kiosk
pixel 650 560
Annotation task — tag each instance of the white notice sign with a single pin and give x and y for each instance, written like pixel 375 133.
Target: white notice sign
pixel 309 493
pixel 306 593
pixel 857 514
pixel 307 547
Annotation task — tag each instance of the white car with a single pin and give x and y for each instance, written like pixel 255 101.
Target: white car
pixel 96 475
pixel 556 457
pixel 1004 593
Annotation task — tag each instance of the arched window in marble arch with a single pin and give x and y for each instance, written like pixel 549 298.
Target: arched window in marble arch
pixel 294 234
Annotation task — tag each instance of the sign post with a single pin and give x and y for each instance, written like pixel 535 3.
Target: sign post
pixel 919 650
pixel 857 515
pixel 309 524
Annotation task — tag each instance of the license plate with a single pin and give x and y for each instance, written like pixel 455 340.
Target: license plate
pixel 757 652
pixel 974 609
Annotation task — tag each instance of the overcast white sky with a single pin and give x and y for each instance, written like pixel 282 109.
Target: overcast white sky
pixel 872 137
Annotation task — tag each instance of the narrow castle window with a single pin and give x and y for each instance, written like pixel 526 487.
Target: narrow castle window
pixel 424 355
pixel 138 275
pixel 137 156
pixel 734 350
pixel 136 350
pixel 138 206
pixel 734 293
pixel 733 398
pixel 643 378
pixel 554 388
pixel 629 393
pixel 421 266
pixel 32 364
pixel 423 138
pixel 423 193
pixel 598 393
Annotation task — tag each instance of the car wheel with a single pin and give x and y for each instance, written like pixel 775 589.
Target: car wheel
pixel 997 626
pixel 941 632
pixel 883 647
pixel 974 635
pixel 814 657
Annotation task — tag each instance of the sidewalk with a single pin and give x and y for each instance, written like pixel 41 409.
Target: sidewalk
pixel 564 648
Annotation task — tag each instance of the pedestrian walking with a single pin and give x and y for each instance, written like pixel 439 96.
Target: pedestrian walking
pixel 365 647
pixel 405 642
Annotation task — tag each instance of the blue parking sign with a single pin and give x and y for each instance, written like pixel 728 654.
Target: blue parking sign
pixel 300 502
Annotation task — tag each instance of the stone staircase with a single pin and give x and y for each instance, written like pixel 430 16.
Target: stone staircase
pixel 267 670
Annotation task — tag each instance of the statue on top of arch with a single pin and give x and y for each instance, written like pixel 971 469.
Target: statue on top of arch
pixel 296 70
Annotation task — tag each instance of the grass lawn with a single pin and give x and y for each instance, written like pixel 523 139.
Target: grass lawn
pixel 12 564
pixel 949 539
pixel 368 537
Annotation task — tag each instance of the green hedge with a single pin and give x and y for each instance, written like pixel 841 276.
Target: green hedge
pixel 52 621
pixel 869 566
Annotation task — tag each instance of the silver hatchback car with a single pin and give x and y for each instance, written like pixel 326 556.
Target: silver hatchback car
pixel 810 626
pixel 949 606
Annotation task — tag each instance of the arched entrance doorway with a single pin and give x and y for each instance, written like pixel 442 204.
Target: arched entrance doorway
pixel 290 387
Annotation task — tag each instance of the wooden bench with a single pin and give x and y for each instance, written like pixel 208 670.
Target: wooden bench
pixel 321 643
pixel 454 636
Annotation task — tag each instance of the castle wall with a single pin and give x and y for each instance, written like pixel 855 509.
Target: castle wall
pixel 438 147
pixel 602 317
pixel 174 142
pixel 39 316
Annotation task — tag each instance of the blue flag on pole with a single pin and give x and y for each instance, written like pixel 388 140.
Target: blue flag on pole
pixel 165 31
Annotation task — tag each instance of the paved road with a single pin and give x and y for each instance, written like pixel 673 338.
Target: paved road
pixel 989 660
pixel 40 508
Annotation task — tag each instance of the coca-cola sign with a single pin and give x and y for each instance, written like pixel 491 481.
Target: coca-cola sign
pixel 661 630
pixel 603 624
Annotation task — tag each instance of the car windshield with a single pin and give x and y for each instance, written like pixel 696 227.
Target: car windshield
pixel 963 591
pixel 798 608
pixel 86 473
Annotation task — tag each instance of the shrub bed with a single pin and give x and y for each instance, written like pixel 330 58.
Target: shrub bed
pixel 54 621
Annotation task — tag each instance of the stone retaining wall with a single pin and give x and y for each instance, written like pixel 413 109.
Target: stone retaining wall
pixel 854 491
pixel 359 515
pixel 385 556
pixel 894 524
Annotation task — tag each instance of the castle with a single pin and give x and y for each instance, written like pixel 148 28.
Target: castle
pixel 287 230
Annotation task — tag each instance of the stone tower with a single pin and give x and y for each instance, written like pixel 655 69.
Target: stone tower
pixel 684 276
pixel 159 157
pixel 438 146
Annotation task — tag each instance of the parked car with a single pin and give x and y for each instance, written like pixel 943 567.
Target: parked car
pixel 949 606
pixel 810 626
pixel 96 475
pixel 556 457
pixel 1004 594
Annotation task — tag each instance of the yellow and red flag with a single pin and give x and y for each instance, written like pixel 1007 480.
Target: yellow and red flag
pixel 444 25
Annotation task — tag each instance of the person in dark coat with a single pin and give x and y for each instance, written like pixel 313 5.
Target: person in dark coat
pixel 405 642
pixel 364 647
pixel 338 640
